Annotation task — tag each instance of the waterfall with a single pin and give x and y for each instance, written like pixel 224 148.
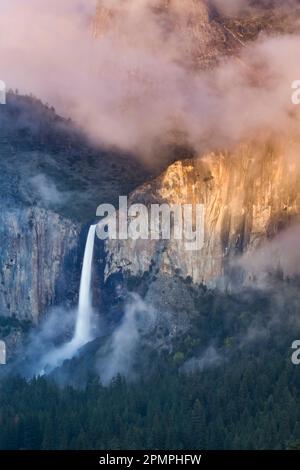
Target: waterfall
pixel 83 322
pixel 82 334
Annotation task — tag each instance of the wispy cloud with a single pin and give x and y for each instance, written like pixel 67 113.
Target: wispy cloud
pixel 137 82
pixel 138 320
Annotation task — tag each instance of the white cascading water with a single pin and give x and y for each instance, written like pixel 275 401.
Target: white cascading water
pixel 82 334
pixel 83 322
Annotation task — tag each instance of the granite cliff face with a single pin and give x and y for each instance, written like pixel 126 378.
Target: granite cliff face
pixel 200 38
pixel 203 33
pixel 38 254
pixel 51 182
pixel 249 195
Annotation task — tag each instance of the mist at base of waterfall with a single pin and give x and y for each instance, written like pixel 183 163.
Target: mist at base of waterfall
pixel 83 327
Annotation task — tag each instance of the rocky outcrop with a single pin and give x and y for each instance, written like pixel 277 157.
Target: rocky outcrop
pixel 249 195
pixel 200 39
pixel 203 33
pixel 38 255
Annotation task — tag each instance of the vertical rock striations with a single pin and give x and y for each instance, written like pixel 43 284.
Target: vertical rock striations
pixel 38 252
pixel 249 195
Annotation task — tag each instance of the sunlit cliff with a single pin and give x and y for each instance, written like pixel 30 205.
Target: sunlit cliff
pixel 249 195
